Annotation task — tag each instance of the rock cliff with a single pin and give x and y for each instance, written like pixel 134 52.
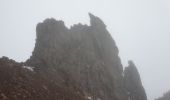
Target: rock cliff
pixel 133 84
pixel 80 63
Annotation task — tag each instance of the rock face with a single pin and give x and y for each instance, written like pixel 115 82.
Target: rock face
pixel 19 82
pixel 133 83
pixel 166 96
pixel 79 63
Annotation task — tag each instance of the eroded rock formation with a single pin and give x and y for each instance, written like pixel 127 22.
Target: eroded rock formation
pixel 133 84
pixel 79 63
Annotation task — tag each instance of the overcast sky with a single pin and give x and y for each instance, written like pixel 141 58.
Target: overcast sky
pixel 141 29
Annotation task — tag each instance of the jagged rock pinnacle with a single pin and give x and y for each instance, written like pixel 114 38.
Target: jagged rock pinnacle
pixel 80 63
pixel 96 21
pixel 133 83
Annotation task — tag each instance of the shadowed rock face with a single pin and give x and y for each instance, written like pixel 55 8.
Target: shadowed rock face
pixel 78 63
pixel 133 84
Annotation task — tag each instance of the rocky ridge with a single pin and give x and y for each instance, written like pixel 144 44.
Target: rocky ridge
pixel 80 63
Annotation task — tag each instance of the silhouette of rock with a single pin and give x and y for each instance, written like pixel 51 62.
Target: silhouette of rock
pixel 79 63
pixel 166 96
pixel 133 83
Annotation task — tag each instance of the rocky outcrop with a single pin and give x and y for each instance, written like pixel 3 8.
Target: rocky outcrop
pixel 133 84
pixel 166 96
pixel 20 82
pixel 81 62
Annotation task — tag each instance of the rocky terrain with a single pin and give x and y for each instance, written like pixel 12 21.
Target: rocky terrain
pixel 166 96
pixel 80 63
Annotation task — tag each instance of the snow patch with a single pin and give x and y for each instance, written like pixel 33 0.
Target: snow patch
pixel 28 67
pixel 90 98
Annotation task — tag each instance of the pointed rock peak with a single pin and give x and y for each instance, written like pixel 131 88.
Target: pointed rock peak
pixel 130 62
pixel 132 67
pixel 96 21
pixel 91 15
pixel 133 83
pixel 132 72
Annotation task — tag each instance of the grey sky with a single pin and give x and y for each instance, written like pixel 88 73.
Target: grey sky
pixel 141 29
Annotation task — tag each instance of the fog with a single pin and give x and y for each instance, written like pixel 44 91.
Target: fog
pixel 141 29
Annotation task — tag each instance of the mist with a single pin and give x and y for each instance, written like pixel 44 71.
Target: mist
pixel 139 27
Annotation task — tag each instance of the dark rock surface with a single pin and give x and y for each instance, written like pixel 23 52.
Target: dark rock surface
pixel 20 83
pixel 166 96
pixel 70 64
pixel 133 83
